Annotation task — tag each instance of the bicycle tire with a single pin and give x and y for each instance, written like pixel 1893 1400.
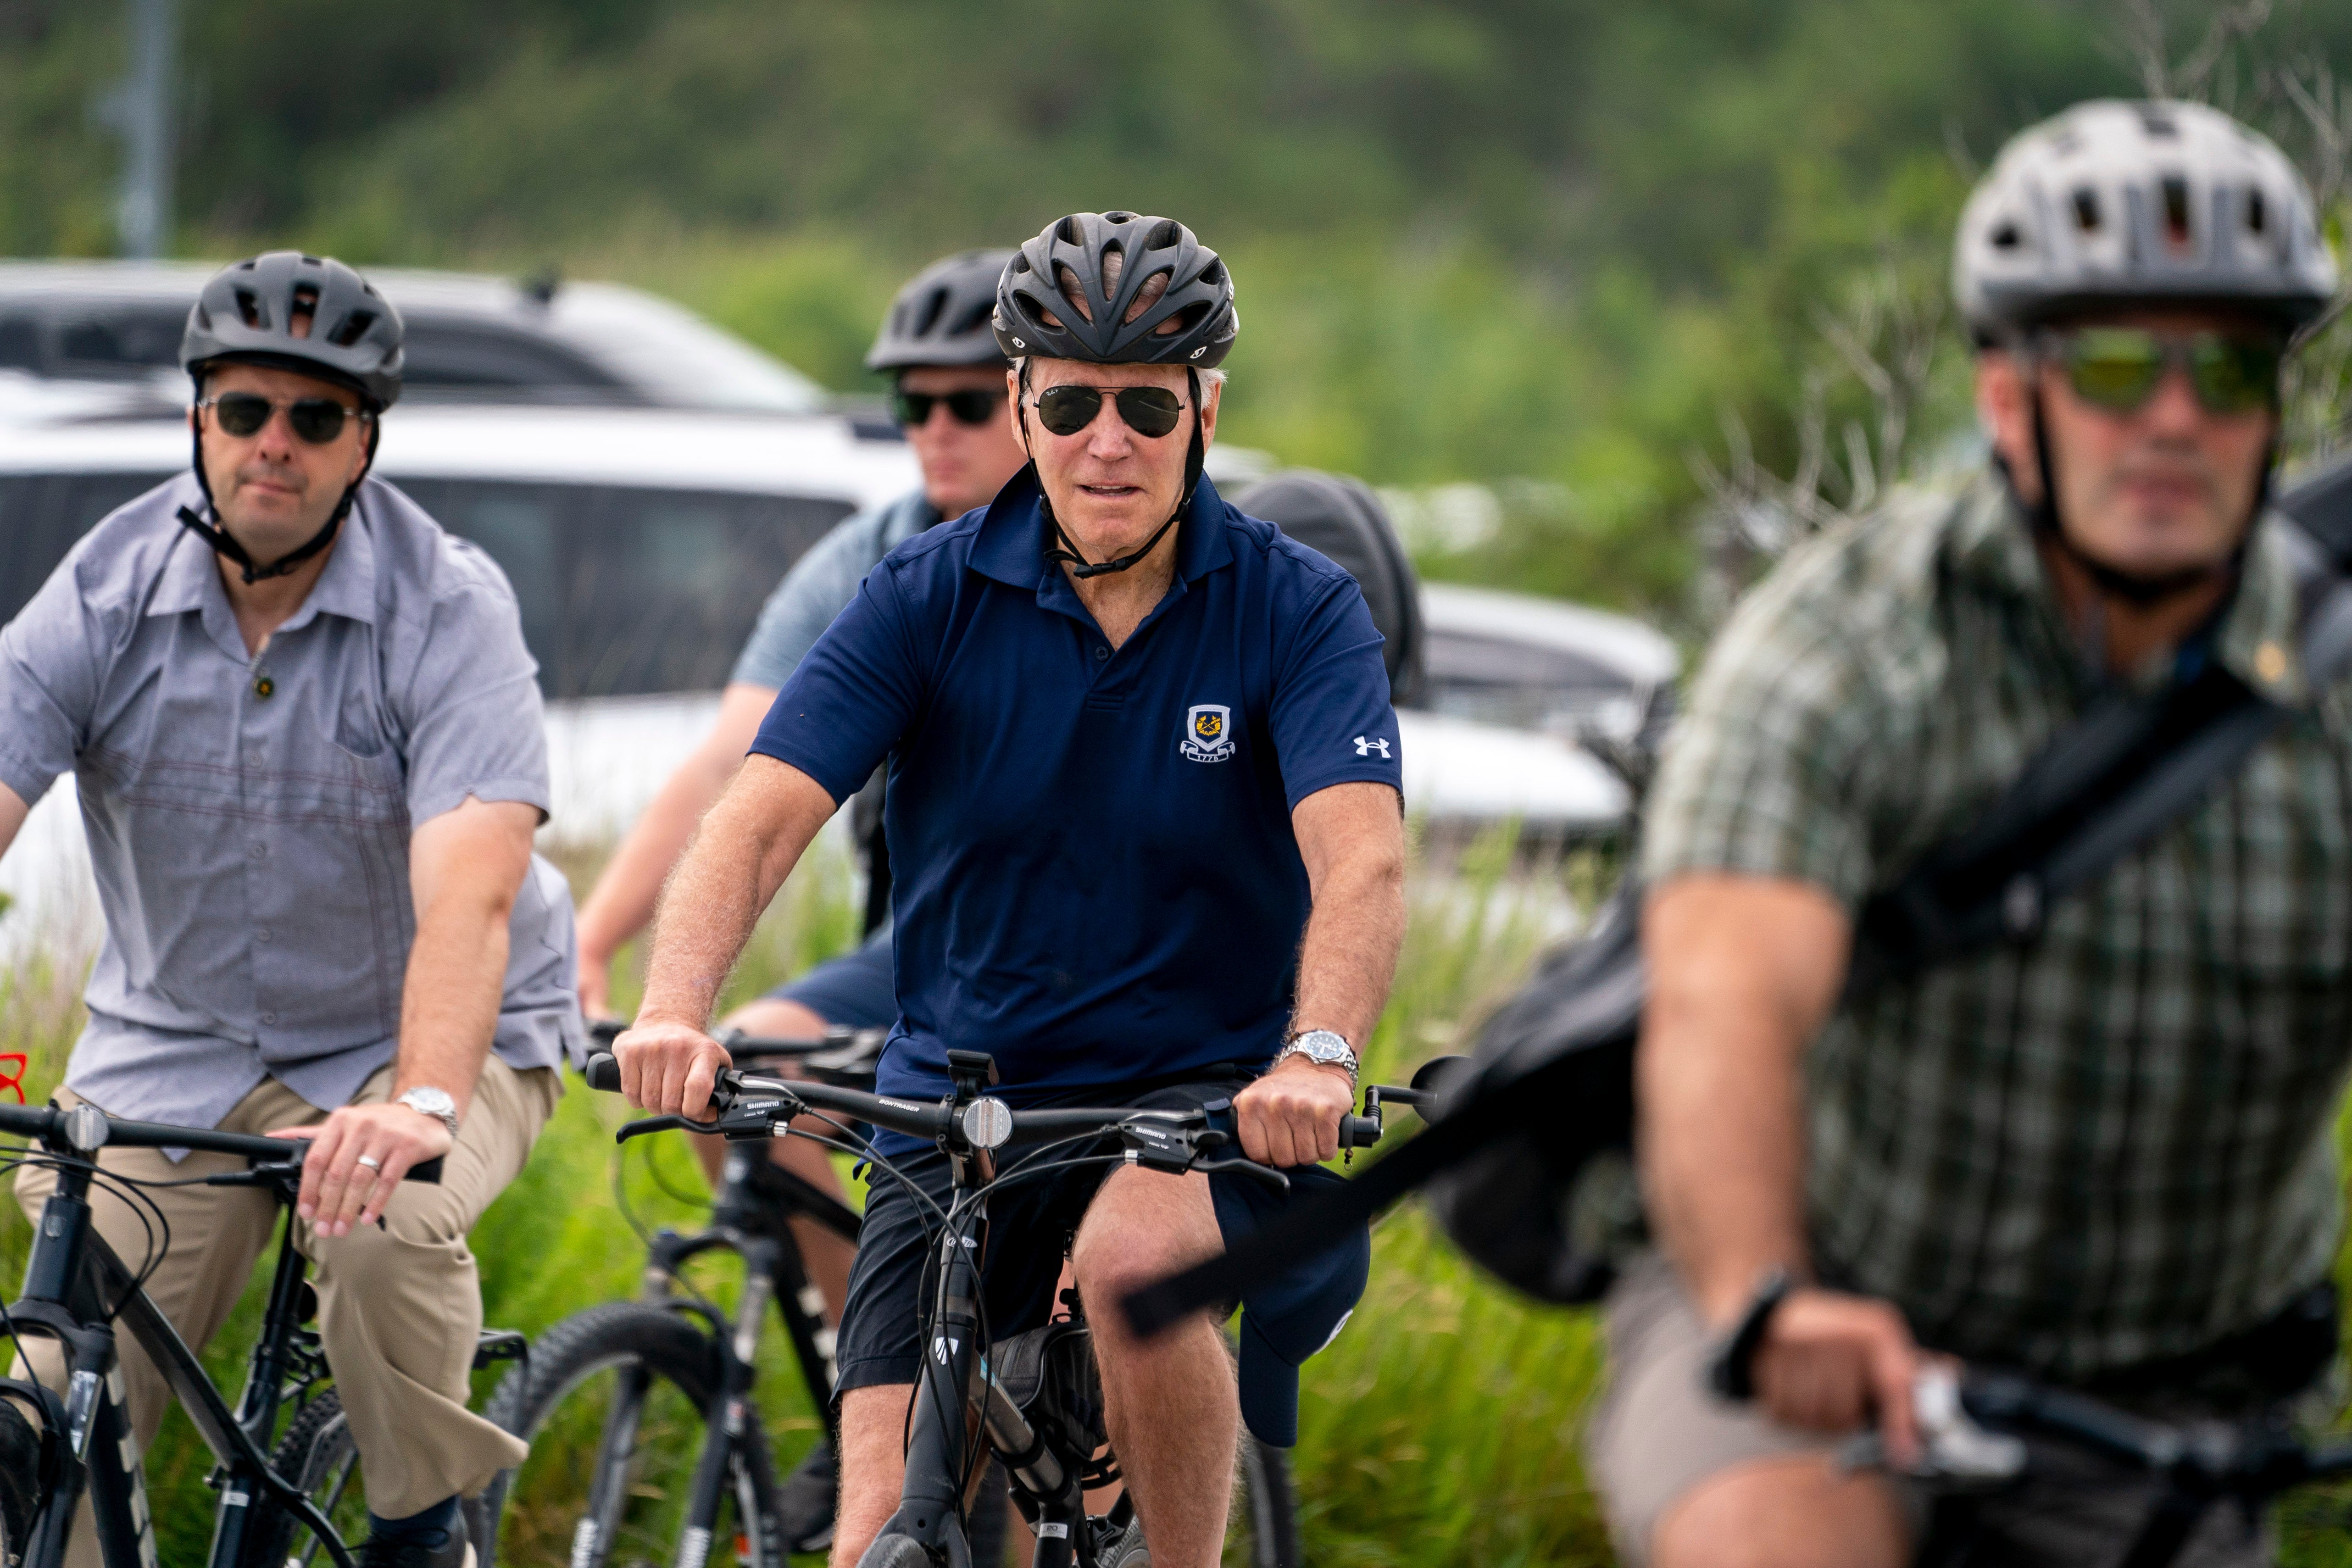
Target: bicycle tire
pixel 20 1470
pixel 1266 1509
pixel 317 1455
pixel 518 1512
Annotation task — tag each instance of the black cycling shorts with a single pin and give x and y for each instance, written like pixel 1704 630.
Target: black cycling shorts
pixel 1030 1224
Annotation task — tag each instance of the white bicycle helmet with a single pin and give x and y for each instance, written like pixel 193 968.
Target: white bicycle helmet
pixel 2129 203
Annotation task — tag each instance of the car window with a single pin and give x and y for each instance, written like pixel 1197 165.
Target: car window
pixel 460 359
pixel 1500 680
pixel 623 590
pixel 95 341
pixel 626 592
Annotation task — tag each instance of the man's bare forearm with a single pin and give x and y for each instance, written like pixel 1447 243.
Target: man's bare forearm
pixel 1352 839
pixel 748 844
pixel 1743 973
pixel 466 867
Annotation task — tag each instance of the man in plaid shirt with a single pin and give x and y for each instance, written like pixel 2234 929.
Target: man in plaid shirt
pixel 2105 1156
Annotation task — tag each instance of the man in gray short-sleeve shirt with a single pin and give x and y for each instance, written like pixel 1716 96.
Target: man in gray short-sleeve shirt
pixel 308 743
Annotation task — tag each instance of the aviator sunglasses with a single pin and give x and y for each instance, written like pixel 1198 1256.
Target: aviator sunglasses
pixel 1148 410
pixel 2119 368
pixel 317 420
pixel 973 406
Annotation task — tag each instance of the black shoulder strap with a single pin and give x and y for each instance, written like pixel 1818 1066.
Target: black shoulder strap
pixel 2106 784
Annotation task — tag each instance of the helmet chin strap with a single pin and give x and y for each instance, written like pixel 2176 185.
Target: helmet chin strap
pixel 2143 589
pixel 210 530
pixel 1067 550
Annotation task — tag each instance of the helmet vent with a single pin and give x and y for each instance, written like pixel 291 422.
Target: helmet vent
pixel 2257 215
pixel 1114 262
pixel 354 326
pixel 2158 123
pixel 248 310
pixel 1020 264
pixel 1184 320
pixel 2006 238
pixel 1038 315
pixel 1067 230
pixel 933 306
pixel 2176 212
pixel 1214 274
pixel 1163 235
pixel 1118 217
pixel 972 320
pixel 1148 296
pixel 302 314
pixel 1073 290
pixel 2086 210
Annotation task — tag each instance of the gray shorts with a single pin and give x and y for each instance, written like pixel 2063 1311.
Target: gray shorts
pixel 1659 1434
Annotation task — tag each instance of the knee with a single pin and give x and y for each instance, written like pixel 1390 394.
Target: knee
pixel 777 1018
pixel 1793 1514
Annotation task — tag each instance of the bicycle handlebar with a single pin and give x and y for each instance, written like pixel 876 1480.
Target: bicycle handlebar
pixel 72 1131
pixel 754 1107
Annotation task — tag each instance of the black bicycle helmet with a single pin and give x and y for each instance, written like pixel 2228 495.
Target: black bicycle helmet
pixel 1116 289
pixel 306 313
pixel 1342 519
pixel 941 316
pixel 310 314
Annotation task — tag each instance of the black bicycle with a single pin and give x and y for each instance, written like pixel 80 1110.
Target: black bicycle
pixel 651 1400
pixel 1034 1400
pixel 288 1496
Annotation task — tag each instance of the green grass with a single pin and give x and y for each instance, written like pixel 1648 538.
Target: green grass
pixel 1440 1430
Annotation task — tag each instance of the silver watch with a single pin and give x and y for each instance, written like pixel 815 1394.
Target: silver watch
pixel 1324 1048
pixel 434 1103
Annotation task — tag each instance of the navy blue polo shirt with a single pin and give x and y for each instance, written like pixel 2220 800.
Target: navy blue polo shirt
pixel 1094 875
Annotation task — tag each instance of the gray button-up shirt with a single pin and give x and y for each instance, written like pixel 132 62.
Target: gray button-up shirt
pixel 249 817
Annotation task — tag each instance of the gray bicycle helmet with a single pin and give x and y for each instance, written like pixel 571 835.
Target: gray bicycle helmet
pixel 1116 289
pixel 2128 203
pixel 307 314
pixel 941 316
pixel 311 314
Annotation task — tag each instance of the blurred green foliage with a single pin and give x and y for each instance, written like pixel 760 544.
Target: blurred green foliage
pixel 1570 241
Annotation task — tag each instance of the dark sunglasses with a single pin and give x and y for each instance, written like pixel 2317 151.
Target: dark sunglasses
pixel 317 420
pixel 974 405
pixel 2119 368
pixel 1148 410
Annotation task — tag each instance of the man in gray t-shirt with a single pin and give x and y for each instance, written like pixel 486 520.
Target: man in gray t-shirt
pixel 949 399
pixel 307 741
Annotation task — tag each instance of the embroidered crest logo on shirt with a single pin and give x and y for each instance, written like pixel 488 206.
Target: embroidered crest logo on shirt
pixel 1207 733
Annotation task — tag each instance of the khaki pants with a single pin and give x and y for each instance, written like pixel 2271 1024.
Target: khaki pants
pixel 399 1306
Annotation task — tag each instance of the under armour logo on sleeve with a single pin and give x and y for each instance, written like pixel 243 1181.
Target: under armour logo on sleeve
pixel 1365 748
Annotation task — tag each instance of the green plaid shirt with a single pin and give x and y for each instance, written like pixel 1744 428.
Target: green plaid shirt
pixel 2114 1144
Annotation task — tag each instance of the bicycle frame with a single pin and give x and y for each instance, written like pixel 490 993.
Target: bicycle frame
pixel 70 1276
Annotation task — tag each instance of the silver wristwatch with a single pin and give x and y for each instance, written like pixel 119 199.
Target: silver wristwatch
pixel 434 1103
pixel 1324 1048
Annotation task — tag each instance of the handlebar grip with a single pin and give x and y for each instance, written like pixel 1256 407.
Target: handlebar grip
pixel 1359 1131
pixel 603 1071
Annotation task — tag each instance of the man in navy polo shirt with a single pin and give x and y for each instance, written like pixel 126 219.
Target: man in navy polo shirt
pixel 1145 815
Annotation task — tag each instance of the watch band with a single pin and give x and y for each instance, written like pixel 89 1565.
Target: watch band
pixel 1325 1047
pixel 437 1103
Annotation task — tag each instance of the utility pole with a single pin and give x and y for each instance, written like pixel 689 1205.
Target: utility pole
pixel 141 107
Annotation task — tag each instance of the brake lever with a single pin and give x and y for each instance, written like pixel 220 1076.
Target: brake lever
pixel 1264 1175
pixel 663 1124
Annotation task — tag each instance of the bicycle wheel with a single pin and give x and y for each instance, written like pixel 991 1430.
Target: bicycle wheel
pixel 1262 1532
pixel 315 1454
pixel 20 1472
pixel 612 1403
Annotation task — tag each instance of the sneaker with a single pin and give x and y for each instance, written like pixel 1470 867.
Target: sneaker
pixel 806 1501
pixel 457 1552
pixel 1127 1549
